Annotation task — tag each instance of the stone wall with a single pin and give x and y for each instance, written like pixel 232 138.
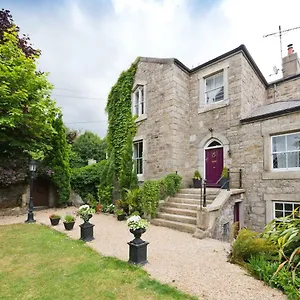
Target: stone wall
pixel 222 120
pixel 178 126
pixel 12 196
pixel 164 126
pixel 287 90
pixel 224 222
pixel 253 89
pixel 263 186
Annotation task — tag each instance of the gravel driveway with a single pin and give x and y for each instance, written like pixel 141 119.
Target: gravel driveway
pixel 198 267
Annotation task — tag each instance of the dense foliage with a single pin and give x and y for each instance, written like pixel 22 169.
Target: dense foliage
pixel 275 255
pixel 128 177
pixel 12 171
pixel 31 124
pixel 86 180
pixel 6 23
pixel 58 161
pixel 145 199
pixel 120 121
pixel 87 146
pixel 27 112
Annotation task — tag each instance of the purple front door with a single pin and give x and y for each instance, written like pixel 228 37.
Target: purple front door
pixel 213 165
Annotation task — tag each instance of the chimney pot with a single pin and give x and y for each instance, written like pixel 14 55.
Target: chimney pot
pixel 290 49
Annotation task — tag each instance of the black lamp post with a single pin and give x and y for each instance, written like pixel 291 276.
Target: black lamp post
pixel 32 169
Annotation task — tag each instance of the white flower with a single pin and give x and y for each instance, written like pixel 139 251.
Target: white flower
pixel 136 222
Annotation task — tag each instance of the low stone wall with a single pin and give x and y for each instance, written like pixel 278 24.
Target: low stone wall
pixel 12 196
pixel 216 221
pixel 16 211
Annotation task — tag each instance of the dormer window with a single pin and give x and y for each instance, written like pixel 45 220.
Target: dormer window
pixel 139 100
pixel 214 88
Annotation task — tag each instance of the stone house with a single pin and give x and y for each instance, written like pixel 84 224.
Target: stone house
pixel 222 113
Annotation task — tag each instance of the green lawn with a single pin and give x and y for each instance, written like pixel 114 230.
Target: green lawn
pixel 37 262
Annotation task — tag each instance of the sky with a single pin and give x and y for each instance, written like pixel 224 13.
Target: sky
pixel 86 44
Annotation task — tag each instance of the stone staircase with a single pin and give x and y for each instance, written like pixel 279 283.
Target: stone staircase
pixel 180 211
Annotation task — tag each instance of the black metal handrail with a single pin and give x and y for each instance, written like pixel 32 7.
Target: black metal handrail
pixel 203 194
pixel 239 180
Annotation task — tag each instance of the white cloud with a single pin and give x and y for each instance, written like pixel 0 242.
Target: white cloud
pixel 85 46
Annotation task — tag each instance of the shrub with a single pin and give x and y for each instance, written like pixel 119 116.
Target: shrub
pixel 266 271
pixel 86 180
pixel 69 218
pixel 150 197
pixel 172 184
pixel 284 233
pixel 54 216
pixel 247 244
pixel 197 175
pixel 132 200
pixel 105 194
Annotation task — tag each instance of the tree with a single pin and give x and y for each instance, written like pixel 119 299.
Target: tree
pixel 26 110
pixel 87 146
pixel 6 23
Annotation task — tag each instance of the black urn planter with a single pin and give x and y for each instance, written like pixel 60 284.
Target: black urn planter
pixel 138 248
pixel 224 183
pixel 121 217
pixel 69 225
pixel 197 183
pixel 54 222
pixel 86 231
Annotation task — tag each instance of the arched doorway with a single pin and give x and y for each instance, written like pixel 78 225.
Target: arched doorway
pixel 214 161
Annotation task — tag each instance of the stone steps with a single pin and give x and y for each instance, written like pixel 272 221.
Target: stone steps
pixel 177 211
pixel 188 201
pixel 189 228
pixel 177 218
pixel 180 211
pixel 213 191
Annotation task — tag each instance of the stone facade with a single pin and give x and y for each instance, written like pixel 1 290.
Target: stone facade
pixel 178 125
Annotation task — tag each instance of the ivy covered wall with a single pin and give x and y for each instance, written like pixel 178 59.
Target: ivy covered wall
pixel 121 127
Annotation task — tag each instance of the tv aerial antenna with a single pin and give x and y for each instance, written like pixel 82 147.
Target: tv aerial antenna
pixel 279 33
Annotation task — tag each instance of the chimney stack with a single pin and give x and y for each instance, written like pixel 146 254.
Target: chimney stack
pixel 290 63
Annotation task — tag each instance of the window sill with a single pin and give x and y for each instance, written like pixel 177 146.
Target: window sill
pixel 209 107
pixel 141 118
pixel 281 175
pixel 140 177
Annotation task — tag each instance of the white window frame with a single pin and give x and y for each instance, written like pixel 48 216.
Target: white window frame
pixel 136 157
pixel 283 210
pixel 206 92
pixel 286 151
pixel 222 66
pixel 139 100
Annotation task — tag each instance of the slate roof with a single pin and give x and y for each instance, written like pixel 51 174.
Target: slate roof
pixel 272 110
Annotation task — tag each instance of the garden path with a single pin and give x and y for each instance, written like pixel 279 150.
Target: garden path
pixel 198 267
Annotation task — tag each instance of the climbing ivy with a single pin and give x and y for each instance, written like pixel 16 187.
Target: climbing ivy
pixel 58 161
pixel 120 120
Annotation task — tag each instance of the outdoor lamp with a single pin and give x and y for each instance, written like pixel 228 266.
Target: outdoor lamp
pixel 32 169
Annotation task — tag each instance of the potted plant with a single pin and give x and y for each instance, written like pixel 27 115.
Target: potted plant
pixel 197 180
pixel 98 208
pixel 110 208
pixel 137 226
pixel 120 213
pixel 137 247
pixel 69 222
pixel 85 212
pixel 224 182
pixel 54 219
